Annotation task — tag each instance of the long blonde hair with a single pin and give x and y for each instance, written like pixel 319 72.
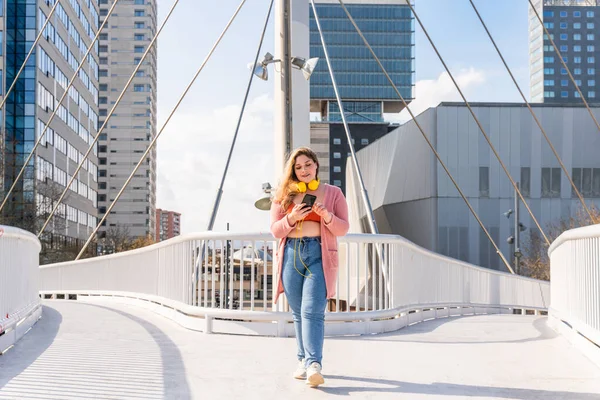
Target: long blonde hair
pixel 287 188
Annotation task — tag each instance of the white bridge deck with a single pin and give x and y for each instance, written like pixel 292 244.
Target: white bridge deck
pixel 83 350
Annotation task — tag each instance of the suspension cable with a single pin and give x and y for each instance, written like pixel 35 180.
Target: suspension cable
pixel 487 138
pixel 564 65
pixel 160 132
pixel 431 146
pixel 112 110
pixel 57 107
pixel 534 116
pixel 239 121
pixel 363 191
pixel 33 46
pixel 358 175
pixel 215 209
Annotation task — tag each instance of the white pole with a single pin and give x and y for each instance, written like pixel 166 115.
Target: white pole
pixel 292 97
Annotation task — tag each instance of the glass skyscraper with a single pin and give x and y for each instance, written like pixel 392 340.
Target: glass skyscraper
pixel 27 112
pixel 364 89
pixel 572 25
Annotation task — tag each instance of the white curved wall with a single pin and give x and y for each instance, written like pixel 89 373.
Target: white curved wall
pixel 575 282
pixel 19 284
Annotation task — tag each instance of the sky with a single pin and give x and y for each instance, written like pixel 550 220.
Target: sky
pixel 195 142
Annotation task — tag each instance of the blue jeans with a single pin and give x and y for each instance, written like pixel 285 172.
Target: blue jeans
pixel 307 295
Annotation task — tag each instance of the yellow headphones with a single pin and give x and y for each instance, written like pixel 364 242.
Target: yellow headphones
pixel 312 185
pixel 302 186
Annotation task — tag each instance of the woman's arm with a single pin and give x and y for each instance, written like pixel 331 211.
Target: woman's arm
pixel 338 225
pixel 280 225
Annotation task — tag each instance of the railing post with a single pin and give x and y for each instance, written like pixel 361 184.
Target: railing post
pixel 208 322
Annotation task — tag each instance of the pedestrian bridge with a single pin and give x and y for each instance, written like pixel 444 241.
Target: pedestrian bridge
pixel 405 323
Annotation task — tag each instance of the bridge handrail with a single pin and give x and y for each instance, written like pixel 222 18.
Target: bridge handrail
pixel 575 281
pixel 19 283
pixel 349 238
pixel 166 271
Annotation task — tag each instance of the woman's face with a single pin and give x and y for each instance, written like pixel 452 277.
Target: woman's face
pixel 305 168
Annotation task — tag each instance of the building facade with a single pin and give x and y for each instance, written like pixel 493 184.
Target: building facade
pixel 329 141
pixel 572 26
pixel 168 224
pixel 388 26
pixel 133 123
pixel 30 105
pixel 412 196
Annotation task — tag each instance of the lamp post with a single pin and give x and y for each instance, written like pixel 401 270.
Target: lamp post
pixel 227 266
pixel 516 238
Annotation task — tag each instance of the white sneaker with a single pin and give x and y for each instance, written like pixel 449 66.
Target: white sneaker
pixel 300 372
pixel 313 375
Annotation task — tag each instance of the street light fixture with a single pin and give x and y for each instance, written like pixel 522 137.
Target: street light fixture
pixel 260 68
pixel 515 238
pixel 306 66
pixel 264 203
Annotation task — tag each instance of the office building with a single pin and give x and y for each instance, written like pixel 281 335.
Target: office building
pixel 388 26
pixel 329 141
pixel 366 94
pixel 168 224
pixel 28 109
pixel 133 124
pixel 412 196
pixel 572 25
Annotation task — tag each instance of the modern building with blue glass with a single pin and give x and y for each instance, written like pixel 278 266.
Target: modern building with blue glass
pixel 388 26
pixel 572 26
pixel 29 106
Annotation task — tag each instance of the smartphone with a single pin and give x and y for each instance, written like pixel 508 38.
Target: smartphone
pixel 309 200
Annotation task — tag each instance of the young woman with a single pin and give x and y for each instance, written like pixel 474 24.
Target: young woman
pixel 308 257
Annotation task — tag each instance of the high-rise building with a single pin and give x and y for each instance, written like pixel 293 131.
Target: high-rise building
pixel 388 26
pixel 168 224
pixel 29 106
pixel 133 124
pixel 572 26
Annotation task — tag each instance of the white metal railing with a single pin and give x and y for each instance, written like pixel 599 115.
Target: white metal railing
pixel 239 285
pixel 19 284
pixel 575 280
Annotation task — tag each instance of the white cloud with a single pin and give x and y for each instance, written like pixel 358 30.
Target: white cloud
pixel 429 93
pixel 192 153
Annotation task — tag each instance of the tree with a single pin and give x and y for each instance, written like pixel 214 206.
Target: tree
pixel 536 263
pixel 117 239
pixel 141 241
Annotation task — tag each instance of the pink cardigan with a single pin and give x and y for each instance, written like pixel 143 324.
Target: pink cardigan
pixel 335 202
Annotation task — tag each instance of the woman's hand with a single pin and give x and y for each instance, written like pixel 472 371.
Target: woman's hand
pixel 299 212
pixel 322 212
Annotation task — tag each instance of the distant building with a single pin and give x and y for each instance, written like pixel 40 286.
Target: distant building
pixel 329 141
pixel 168 224
pixel 388 26
pixel 27 112
pixel 132 127
pixel 572 27
pixel 412 196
